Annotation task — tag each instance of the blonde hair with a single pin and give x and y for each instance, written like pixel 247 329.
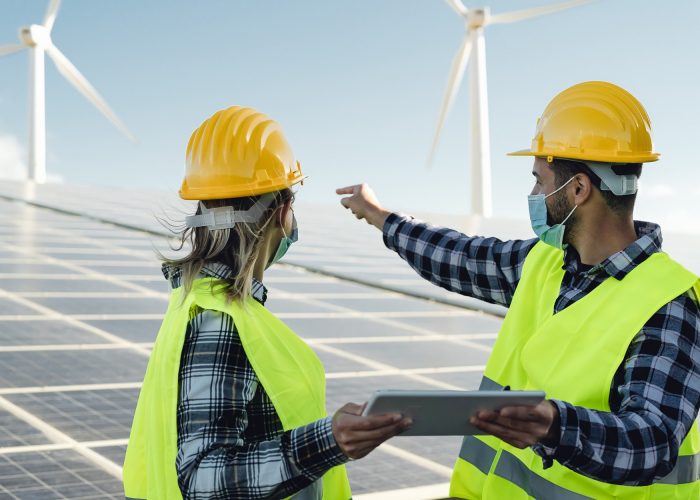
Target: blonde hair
pixel 237 247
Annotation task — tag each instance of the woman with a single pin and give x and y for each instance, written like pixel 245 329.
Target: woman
pixel 233 402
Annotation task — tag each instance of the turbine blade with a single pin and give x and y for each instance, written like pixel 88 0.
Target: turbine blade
pixel 71 73
pixel 459 64
pixel 458 7
pixel 50 16
pixel 521 15
pixel 6 50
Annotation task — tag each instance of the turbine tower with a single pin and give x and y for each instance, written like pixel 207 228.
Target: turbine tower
pixel 37 38
pixel 475 20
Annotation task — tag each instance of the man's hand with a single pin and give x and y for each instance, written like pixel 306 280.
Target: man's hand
pixel 364 204
pixel 357 435
pixel 521 426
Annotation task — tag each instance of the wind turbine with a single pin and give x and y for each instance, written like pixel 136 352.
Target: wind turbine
pixel 475 20
pixel 37 38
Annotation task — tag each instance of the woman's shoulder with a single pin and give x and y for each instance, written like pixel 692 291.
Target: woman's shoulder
pixel 212 345
pixel 208 325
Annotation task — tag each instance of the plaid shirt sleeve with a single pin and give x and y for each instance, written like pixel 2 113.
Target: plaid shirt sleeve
pixel 657 402
pixel 215 460
pixel 484 268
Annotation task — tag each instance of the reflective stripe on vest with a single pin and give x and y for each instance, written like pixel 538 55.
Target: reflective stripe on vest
pixel 314 491
pixel 687 470
pixel 489 385
pixel 288 369
pixel 513 470
pixel 537 349
pixel 477 453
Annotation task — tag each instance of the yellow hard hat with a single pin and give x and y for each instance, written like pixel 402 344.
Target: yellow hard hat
pixel 595 121
pixel 238 152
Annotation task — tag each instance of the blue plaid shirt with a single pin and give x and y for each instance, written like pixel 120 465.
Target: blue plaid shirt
pixel 655 394
pixel 231 443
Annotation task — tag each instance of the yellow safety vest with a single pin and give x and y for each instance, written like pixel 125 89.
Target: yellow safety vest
pixel 572 356
pixel 287 368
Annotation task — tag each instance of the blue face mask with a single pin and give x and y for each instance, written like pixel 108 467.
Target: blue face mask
pixel 285 242
pixel 551 235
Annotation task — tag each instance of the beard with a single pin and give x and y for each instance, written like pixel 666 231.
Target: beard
pixel 557 212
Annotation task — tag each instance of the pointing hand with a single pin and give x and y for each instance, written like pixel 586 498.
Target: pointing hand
pixel 364 204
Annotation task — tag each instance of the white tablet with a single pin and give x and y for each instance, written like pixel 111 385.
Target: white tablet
pixel 445 413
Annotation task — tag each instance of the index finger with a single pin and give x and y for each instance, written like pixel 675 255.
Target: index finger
pixel 347 189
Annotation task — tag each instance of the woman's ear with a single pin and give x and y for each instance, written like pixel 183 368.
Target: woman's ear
pixel 283 213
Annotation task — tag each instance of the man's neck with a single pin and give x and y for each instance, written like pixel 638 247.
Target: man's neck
pixel 601 238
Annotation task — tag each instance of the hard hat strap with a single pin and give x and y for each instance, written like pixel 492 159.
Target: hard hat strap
pixel 620 185
pixel 227 217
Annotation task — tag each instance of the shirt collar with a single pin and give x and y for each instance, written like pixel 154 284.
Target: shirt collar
pixel 620 264
pixel 215 270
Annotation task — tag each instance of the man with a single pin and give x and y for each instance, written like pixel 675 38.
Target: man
pixel 599 318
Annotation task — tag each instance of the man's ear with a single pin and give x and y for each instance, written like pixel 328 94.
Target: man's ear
pixel 583 188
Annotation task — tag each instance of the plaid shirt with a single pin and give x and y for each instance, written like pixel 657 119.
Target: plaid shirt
pixel 231 443
pixel 655 393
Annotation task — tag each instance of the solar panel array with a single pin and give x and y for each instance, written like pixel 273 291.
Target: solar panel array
pixel 81 302
pixel 82 297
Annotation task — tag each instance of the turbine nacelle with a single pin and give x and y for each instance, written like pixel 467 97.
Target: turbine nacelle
pixel 35 35
pixel 478 18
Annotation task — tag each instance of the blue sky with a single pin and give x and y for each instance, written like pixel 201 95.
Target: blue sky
pixel 356 85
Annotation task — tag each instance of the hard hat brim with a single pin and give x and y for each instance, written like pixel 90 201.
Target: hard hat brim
pixel 241 191
pixel 645 158
pixel 521 152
